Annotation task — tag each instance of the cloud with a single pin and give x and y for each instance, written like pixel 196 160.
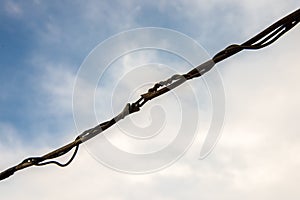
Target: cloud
pixel 256 158
pixel 13 9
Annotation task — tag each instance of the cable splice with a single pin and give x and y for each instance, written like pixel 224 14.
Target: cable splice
pixel 261 40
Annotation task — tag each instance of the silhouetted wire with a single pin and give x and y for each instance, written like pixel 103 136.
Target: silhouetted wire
pixel 261 40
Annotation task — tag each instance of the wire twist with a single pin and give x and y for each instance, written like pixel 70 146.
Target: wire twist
pixel 261 40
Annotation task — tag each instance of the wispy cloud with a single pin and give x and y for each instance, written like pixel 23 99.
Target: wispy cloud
pixel 13 9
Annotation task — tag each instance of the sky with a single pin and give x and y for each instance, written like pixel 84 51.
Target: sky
pixel 43 45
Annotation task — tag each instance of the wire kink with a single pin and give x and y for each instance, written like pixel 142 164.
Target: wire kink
pixel 261 40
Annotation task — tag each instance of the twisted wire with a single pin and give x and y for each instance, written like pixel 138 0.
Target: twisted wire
pixel 261 40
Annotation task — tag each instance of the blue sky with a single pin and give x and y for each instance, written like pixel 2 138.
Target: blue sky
pixel 43 44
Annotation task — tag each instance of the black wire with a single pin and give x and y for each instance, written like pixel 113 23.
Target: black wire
pixel 264 38
pixel 58 163
pixel 265 42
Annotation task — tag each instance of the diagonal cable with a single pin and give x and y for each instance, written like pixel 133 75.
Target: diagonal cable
pixel 261 40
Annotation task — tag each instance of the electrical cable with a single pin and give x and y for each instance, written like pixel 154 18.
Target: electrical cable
pixel 261 40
